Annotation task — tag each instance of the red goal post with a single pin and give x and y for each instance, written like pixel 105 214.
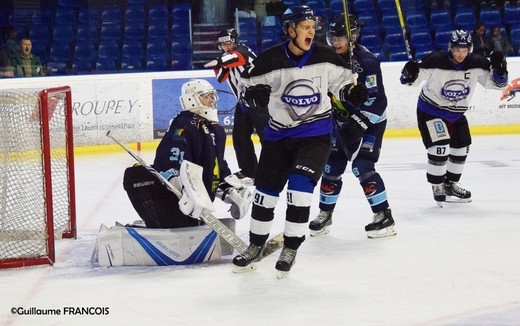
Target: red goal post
pixel 37 189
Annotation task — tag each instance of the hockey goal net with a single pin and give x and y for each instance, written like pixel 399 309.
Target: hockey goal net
pixel 37 194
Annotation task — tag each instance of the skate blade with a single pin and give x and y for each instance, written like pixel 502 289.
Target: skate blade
pixel 282 274
pixel 440 204
pixel 244 269
pixel 317 233
pixel 384 233
pixel 455 199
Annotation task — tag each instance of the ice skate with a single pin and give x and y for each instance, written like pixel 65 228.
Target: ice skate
pixel 455 193
pixel 245 262
pixel 438 194
pixel 321 224
pixel 383 225
pixel 285 262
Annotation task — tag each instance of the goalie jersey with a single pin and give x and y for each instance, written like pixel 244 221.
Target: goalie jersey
pixel 197 140
pixel 299 105
pixel 450 86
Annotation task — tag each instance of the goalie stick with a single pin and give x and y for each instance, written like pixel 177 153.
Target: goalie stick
pixel 223 231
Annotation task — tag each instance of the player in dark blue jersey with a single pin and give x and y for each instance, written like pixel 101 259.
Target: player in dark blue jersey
pixel 358 136
pixel 450 80
pixel 196 136
pixel 293 79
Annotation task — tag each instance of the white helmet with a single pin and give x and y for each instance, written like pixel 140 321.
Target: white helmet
pixel 190 98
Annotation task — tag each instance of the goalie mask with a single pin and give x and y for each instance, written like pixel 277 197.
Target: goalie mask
pixel 195 93
pixel 337 28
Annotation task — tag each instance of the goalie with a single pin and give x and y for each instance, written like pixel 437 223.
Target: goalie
pixel 196 136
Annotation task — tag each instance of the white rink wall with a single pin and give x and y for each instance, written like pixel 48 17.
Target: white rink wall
pixel 131 104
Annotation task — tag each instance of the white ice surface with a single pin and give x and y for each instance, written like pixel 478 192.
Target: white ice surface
pixel 457 265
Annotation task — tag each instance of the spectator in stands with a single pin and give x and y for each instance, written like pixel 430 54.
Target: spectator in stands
pixel 24 63
pixel 500 42
pixel 260 9
pixel 11 45
pixel 481 43
pixel 5 66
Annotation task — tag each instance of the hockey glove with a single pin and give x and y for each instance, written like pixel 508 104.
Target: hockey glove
pixel 257 96
pixel 498 63
pixel 239 198
pixel 410 72
pixel 355 95
pixel 187 205
pixel 352 130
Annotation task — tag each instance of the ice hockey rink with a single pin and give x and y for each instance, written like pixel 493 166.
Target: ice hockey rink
pixel 457 265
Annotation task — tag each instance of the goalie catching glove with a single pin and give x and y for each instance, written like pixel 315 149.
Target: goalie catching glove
pixel 257 96
pixel 355 95
pixel 240 199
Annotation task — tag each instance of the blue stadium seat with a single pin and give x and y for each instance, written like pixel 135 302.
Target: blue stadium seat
pixel 421 40
pixel 370 23
pixel 361 6
pixel 514 38
pixel 387 7
pixel 157 30
pixel 398 56
pixel 60 53
pixel 39 33
pixel 423 52
pixel 81 67
pixel 134 16
pixel 87 33
pixel 395 42
pixel 134 33
pixel 88 16
pixel 156 49
pixel 85 51
pixel 156 64
pixel 416 21
pixel 110 32
pixel 132 50
pixel 111 14
pixel 491 16
pixel 182 62
pixel 64 16
pixel 512 15
pixel 105 66
pixel 63 34
pixel 372 42
pixel 158 13
pixel 246 27
pixel 465 19
pixel 131 64
pixel 442 39
pixel 42 16
pixel 440 19
pixel 390 23
pixel 109 50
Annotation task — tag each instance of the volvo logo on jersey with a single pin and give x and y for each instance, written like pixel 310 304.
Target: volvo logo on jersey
pixel 455 90
pixel 302 98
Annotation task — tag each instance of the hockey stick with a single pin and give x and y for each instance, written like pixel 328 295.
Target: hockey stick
pixel 403 28
pixel 208 218
pixel 350 43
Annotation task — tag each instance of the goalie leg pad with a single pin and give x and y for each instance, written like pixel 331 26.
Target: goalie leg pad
pixel 156 206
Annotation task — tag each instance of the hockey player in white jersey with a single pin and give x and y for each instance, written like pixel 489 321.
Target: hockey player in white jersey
pixel 451 79
pixel 293 79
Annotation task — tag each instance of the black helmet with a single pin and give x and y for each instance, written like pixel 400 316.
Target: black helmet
pixel 293 15
pixel 337 28
pixel 461 39
pixel 227 35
